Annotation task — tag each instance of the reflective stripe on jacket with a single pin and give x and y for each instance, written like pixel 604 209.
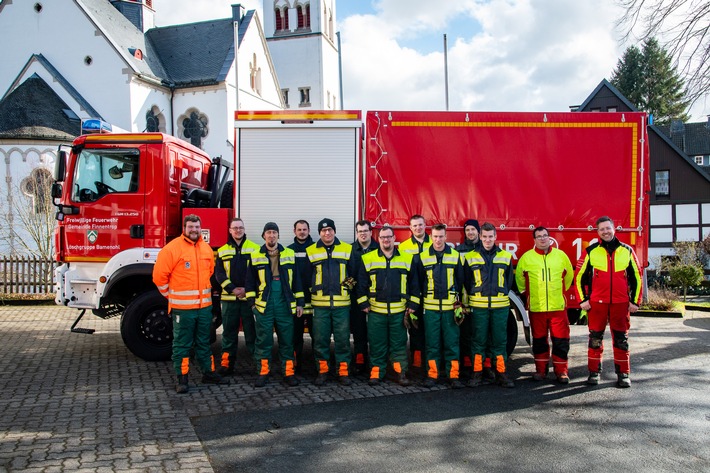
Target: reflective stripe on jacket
pixel 544 277
pixel 609 274
pixel 413 246
pixel 304 270
pixel 182 273
pixel 488 277
pixel 259 277
pixel 441 278
pixel 330 268
pixel 231 266
pixel 390 285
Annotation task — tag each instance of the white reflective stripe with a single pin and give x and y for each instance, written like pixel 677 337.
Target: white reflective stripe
pixel 301 254
pixel 163 287
pixel 184 301
pixel 207 300
pixel 341 254
pixel 184 293
pixel 207 291
pixel 164 293
pixel 399 264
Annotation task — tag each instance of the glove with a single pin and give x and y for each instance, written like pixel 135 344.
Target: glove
pixel 459 315
pixel 407 325
pixel 413 320
pixel 349 283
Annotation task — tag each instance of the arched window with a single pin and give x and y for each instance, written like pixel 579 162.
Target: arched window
pixel 279 20
pixel 154 120
pixel 301 19
pixel 37 186
pixel 307 15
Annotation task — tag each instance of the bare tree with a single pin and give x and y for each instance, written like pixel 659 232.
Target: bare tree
pixel 683 26
pixel 30 215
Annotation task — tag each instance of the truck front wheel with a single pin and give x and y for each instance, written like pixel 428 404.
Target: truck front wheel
pixel 146 327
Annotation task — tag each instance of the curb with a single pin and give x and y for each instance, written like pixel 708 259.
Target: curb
pixel 659 314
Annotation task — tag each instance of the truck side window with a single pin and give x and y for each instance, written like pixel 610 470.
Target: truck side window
pixel 101 172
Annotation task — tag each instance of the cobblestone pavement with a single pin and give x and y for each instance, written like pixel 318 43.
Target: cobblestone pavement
pixel 75 402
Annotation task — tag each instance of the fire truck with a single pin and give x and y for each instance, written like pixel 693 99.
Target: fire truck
pixel 122 197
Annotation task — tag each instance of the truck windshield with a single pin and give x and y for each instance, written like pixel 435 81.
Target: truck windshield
pixel 100 172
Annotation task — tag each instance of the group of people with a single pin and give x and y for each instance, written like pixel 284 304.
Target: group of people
pixel 449 304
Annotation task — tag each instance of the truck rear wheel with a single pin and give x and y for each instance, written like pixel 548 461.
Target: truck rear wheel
pixel 512 333
pixel 146 327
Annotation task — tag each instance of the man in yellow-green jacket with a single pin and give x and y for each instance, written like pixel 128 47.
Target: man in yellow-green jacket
pixel 544 274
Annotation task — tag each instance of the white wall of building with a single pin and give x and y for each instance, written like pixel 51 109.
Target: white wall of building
pixel 62 33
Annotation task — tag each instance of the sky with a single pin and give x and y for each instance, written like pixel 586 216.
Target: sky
pixel 503 55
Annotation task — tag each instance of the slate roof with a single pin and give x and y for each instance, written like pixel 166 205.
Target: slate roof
pixel 34 111
pixel 694 140
pixel 123 35
pixel 197 53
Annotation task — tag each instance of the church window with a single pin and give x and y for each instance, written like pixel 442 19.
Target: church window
pixel 37 187
pixel 279 19
pixel 194 126
pixel 284 94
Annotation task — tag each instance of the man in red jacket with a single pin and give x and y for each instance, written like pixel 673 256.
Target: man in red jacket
pixel 609 286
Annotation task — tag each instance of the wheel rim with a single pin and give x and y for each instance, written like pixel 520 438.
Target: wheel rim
pixel 157 328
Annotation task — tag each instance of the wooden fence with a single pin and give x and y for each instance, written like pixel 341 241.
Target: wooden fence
pixel 26 275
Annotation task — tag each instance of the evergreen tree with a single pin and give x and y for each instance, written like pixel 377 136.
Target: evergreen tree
pixel 648 79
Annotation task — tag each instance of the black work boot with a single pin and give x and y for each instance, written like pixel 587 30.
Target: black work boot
pixel 182 387
pixel 403 380
pixel 488 375
pixel 211 377
pixel 593 379
pixel 503 380
pixel 476 380
pixel 623 380
pixel 261 380
pixel 225 370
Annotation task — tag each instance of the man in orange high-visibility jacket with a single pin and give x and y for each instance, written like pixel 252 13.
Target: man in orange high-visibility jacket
pixel 609 286
pixel 182 274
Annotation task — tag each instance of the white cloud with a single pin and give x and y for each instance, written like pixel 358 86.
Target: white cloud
pixel 524 55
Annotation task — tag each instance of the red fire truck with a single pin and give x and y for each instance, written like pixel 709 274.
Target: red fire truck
pixel 121 197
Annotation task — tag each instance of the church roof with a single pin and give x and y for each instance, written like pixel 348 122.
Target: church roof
pixel 197 53
pixel 34 111
pixel 124 36
pixel 193 54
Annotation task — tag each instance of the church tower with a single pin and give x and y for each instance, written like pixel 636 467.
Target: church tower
pixel 304 48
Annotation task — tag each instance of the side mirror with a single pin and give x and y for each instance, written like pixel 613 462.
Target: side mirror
pixel 56 190
pixel 115 173
pixel 60 166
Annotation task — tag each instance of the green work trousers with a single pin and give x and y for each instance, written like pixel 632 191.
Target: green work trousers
pixel 386 334
pixel 277 314
pixel 191 328
pixel 335 321
pixel 491 323
pixel 234 312
pixel 441 329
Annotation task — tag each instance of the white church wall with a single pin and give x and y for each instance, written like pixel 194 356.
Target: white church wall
pixel 62 33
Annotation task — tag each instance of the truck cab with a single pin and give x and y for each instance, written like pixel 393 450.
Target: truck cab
pixel 120 199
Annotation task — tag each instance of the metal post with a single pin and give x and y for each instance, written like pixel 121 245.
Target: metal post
pixel 446 72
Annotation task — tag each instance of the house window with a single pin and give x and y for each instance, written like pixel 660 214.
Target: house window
pixel 699 160
pixel 595 109
pixel 611 109
pixel 284 94
pixel 663 183
pixel 305 96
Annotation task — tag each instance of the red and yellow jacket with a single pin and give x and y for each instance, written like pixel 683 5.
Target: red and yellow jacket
pixel 609 274
pixel 182 273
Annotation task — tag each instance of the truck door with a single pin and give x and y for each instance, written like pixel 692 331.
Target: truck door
pixel 107 188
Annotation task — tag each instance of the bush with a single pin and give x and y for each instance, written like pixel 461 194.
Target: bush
pixel 660 298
